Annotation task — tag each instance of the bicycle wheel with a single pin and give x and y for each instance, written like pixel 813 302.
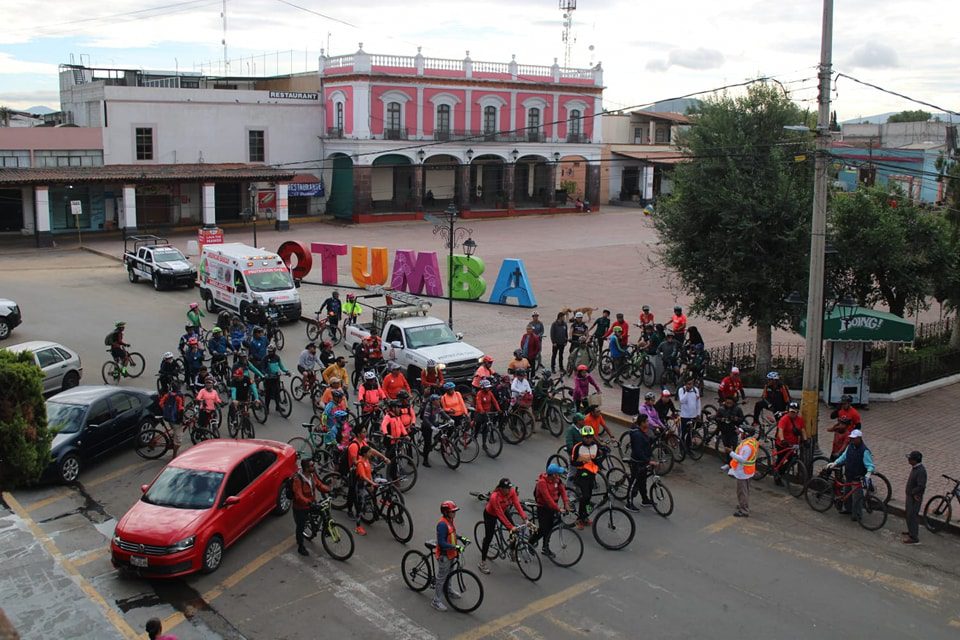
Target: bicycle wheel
pixel 479 530
pixel 698 438
pixel 199 434
pixel 449 453
pixel 246 428
pixel 794 476
pixel 153 443
pixel 874 514
pixel 278 339
pixel 110 372
pixel 881 487
pixel 313 331
pixel 339 493
pixel 336 335
pixel 406 472
pixel 260 410
pixel 296 388
pixel 286 404
pixel 566 545
pixel 606 368
pixel 467 444
pixel 664 459
pixel 553 419
pixel 493 441
pixel 676 447
pixel 337 540
pixel 618 482
pixel 819 493
pixel 416 570
pixel 818 464
pixel 662 498
pixel 528 561
pixel 399 522
pixel 936 514
pixel 613 527
pixel 764 463
pixel 558 459
pixel 135 365
pixel 463 590
pixel 303 447
pixel 513 430
pixel 648 375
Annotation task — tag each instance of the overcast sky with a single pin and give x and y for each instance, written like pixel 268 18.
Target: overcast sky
pixel 649 50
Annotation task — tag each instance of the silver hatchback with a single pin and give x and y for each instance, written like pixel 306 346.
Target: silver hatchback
pixel 61 366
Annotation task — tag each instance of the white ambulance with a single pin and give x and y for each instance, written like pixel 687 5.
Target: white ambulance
pixel 233 276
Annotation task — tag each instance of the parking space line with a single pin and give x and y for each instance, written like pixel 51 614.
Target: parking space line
pixel 532 609
pixel 112 615
pixel 719 525
pixel 565 626
pixel 60 494
pixel 90 556
pixel 66 491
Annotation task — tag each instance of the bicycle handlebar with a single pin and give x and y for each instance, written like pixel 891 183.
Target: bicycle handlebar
pixel 950 479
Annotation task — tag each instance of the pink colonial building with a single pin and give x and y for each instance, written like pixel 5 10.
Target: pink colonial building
pixel 411 133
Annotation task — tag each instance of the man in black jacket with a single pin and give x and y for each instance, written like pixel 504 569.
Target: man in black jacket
pixel 558 337
pixel 916 485
pixel 641 450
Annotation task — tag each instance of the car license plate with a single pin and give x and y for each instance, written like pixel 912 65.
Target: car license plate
pixel 137 561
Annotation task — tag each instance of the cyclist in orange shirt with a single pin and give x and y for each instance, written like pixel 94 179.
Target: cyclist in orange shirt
pixel 364 485
pixel 370 394
pixel 395 381
pixel 452 403
pixel 485 370
pixel 431 379
pixel 596 420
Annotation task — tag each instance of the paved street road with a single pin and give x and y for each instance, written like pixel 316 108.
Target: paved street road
pixel 786 573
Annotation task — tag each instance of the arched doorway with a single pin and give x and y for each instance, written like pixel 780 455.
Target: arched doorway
pixel 391 183
pixel 441 182
pixel 340 200
pixel 531 181
pixel 486 176
pixel 572 176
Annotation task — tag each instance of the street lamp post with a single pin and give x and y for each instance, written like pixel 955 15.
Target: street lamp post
pixel 453 235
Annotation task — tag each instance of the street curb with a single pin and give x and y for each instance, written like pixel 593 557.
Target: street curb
pixel 102 254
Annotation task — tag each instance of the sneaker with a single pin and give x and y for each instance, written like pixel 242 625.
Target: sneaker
pixel 580 524
pixel 725 467
pixel 484 569
pixel 439 606
pixel 547 553
pixel 646 503
pixel 909 540
pixel 303 551
pixel 124 372
pixel 360 531
pixel 426 464
pixel 632 507
pixel 740 514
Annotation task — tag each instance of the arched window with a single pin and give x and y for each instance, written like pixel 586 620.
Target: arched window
pixel 442 128
pixel 392 127
pixel 575 126
pixel 490 120
pixel 533 124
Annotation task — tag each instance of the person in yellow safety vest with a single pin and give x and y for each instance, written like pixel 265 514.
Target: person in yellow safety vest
pixel 743 464
pixel 449 546
pixel 351 309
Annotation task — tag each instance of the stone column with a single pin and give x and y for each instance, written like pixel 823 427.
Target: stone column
pixel 209 200
pixel 552 185
pixel 418 179
pixel 592 187
pixel 466 187
pixel 283 207
pixel 362 199
pixel 509 172
pixel 130 207
pixel 41 205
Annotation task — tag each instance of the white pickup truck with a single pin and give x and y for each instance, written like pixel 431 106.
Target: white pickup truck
pixel 154 259
pixel 412 338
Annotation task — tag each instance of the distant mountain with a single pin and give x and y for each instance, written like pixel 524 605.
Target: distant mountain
pixel 679 105
pixel 40 110
pixel 881 118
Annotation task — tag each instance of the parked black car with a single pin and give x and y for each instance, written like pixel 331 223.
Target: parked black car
pixel 91 421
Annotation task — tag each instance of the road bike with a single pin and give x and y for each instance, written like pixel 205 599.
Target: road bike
pixel 325 326
pixel 131 367
pixel 462 588
pixel 335 538
pixel 937 512
pixel 825 490
pixel 386 503
pixel 514 546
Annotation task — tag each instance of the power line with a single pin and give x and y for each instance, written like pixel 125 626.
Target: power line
pixel 177 7
pixel 895 93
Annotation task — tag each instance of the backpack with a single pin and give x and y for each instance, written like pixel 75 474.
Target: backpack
pixel 108 341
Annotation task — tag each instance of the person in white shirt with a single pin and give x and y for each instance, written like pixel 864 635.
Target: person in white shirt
pixel 519 385
pixel 743 464
pixel 689 396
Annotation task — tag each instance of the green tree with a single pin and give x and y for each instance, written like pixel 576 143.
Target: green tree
pixel 949 286
pixel 890 251
pixel 736 229
pixel 5 114
pixel 918 115
pixel 24 436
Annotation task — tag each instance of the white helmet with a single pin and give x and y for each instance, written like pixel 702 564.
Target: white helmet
pixel 369 375
pixel 578 315
pixel 168 355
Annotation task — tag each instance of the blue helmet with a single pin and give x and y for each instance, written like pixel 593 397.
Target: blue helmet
pixel 340 414
pixel 555 469
pixel 448 386
pixel 434 397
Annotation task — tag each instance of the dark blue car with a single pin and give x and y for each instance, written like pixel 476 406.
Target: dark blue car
pixel 91 421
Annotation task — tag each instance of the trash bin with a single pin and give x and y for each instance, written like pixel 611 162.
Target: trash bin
pixel 630 400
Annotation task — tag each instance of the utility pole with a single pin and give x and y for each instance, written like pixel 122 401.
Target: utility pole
pixel 810 399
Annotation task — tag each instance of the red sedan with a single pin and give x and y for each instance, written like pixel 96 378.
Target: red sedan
pixel 201 503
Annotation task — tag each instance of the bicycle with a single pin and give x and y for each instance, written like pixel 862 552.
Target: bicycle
pixel 566 545
pixel 156 436
pixel 515 546
pixel 786 468
pixel 335 538
pixel 239 424
pixel 938 510
pixel 462 587
pixel 517 424
pixel 489 428
pixel 386 503
pixel 551 412
pixel 657 491
pixel 327 325
pixel 306 385
pixel 635 365
pixel 613 527
pixel 132 367
pixel 881 485
pixel 662 451
pixel 445 444
pixel 822 492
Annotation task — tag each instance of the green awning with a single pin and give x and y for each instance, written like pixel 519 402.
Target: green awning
pixel 864 325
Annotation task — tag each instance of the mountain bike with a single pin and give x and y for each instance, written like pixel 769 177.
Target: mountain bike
pixel 825 490
pixel 566 545
pixel 131 367
pixel 881 485
pixel 787 468
pixel 613 527
pixel 156 436
pixel 937 512
pixel 462 587
pixel 335 538
pixel 305 385
pixel 324 326
pixel 657 491
pixel 239 424
pixel 514 546
pixel 386 503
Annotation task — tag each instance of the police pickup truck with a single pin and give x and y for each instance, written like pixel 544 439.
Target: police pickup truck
pixel 152 258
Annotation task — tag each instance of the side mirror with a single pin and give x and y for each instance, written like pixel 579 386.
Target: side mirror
pixel 396 344
pixel 144 487
pixel 230 501
pixel 459 336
